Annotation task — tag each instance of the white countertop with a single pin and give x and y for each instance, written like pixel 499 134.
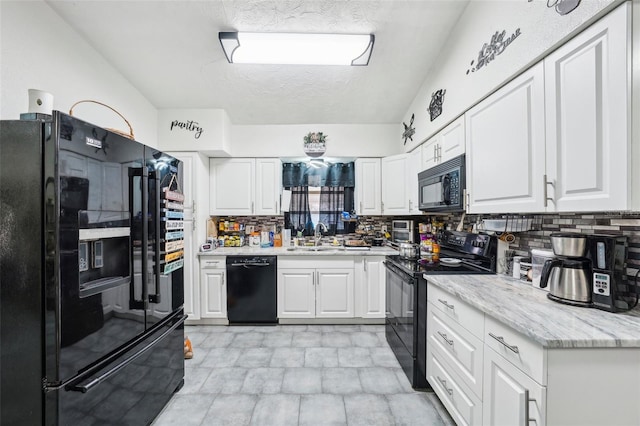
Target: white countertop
pixel 326 250
pixel 527 310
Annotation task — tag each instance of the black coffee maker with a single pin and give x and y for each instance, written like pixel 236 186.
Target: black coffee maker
pixel 612 289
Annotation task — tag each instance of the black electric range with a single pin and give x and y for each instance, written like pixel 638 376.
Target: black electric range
pixel 406 294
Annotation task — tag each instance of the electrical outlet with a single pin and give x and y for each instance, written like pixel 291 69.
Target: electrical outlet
pixel 384 228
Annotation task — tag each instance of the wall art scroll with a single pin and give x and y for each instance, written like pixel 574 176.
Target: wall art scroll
pixel 494 48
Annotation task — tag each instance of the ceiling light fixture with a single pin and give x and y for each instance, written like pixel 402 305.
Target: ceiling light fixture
pixel 297 49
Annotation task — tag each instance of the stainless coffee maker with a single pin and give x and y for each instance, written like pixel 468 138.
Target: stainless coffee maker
pixel 613 291
pixel 569 276
pixel 590 271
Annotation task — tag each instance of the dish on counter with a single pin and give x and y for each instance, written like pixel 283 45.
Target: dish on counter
pixel 450 261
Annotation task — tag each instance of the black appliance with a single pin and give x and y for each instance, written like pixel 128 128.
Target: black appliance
pixel 251 289
pixel 442 188
pixel 91 299
pixel 406 294
pixel 612 290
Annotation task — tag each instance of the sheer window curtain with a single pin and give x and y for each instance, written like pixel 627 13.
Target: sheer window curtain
pixel 331 207
pixel 299 212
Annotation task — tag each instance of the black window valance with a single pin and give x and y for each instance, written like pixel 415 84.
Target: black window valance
pixel 320 174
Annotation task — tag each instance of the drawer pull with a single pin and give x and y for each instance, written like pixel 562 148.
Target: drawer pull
pixel 508 346
pixel 444 385
pixel 444 302
pixel 444 336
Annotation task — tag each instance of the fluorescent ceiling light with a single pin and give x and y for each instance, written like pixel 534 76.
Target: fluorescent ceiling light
pixel 297 49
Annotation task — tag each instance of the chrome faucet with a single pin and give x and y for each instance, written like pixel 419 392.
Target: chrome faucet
pixel 317 234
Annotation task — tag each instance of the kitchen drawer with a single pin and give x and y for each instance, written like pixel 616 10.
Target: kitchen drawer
pixel 464 407
pixel 316 262
pixel 213 262
pixel 519 350
pixel 461 350
pixel 463 313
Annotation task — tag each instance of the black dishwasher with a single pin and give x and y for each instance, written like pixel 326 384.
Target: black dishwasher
pixel 251 289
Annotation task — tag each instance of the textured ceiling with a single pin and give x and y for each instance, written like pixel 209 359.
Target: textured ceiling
pixel 169 51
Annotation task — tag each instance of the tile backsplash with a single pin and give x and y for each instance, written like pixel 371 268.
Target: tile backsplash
pixel 615 223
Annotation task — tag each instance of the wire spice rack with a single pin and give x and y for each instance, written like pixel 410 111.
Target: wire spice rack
pixel 512 223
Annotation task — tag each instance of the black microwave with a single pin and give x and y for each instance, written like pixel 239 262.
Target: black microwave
pixel 441 188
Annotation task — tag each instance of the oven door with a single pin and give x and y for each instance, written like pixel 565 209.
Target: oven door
pixel 400 291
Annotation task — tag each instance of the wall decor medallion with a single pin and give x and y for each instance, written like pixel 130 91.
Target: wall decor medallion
pixel 494 48
pixel 188 125
pixel 409 130
pixel 562 7
pixel 435 106
pixel 315 144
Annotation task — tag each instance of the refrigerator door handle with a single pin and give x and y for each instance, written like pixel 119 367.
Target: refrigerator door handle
pixel 155 297
pixel 141 173
pixel 104 376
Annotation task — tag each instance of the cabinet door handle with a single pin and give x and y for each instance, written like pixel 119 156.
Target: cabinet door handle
pixel 222 278
pixel 365 265
pixel 500 339
pixel 527 412
pixel 252 207
pixel 444 302
pixel 545 194
pixel 434 153
pixel 444 337
pixel 466 196
pixel 360 212
pixel 444 385
pixel 382 206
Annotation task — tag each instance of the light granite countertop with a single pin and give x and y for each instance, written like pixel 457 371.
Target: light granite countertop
pixel 326 250
pixel 527 310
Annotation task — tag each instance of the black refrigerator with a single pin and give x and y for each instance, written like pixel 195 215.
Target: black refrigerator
pixel 91 290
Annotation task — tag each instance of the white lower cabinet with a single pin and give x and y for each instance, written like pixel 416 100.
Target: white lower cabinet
pixel 463 405
pixel 370 280
pixel 316 288
pixel 510 396
pixel 213 303
pixel 502 377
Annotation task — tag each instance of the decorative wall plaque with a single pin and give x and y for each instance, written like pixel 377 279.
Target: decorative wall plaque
pixel 435 106
pixel 315 144
pixel 409 131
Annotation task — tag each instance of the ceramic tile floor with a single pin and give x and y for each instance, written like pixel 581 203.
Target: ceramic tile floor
pixel 296 375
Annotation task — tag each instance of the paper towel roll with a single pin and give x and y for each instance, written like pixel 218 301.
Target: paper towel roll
pixel 40 101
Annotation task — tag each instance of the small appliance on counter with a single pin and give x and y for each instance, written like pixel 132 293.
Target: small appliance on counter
pixel 403 231
pixel 590 271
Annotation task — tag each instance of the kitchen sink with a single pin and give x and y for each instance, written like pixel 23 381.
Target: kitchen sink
pixel 315 248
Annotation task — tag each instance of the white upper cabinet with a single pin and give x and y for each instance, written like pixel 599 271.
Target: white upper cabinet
pixel 245 186
pixel 268 184
pixel 558 137
pixel 368 192
pixel 394 189
pixel 446 144
pixel 587 114
pixel 505 148
pixel 414 166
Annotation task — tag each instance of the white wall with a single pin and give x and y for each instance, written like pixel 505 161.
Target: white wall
pixel 542 29
pixel 38 50
pixel 343 140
